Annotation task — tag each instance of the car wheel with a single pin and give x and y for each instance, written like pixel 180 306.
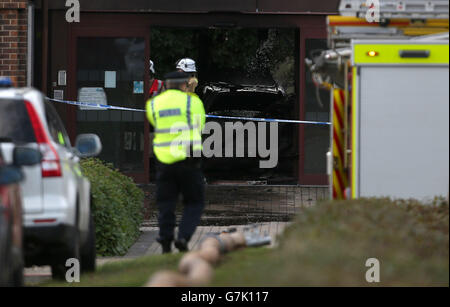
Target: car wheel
pixel 5 257
pixel 72 250
pixel 88 252
pixel 17 274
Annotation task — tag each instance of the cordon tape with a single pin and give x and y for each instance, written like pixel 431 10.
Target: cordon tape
pixel 109 107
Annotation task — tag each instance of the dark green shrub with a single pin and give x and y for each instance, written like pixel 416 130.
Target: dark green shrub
pixel 117 207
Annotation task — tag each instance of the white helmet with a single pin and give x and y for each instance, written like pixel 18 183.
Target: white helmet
pixel 152 67
pixel 186 65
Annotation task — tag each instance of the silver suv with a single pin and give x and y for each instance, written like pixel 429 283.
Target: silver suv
pixel 58 223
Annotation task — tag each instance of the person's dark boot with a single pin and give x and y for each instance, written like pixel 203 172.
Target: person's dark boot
pixel 181 245
pixel 166 245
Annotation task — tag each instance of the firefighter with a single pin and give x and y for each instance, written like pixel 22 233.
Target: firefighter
pixel 178 119
pixel 188 66
pixel 156 86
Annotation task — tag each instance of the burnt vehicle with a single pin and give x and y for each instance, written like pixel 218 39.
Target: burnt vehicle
pixel 236 95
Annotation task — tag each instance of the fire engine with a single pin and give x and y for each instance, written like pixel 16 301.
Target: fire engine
pixel 387 68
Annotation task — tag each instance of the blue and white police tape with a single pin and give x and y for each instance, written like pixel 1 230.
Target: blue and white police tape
pixel 95 105
pixel 290 121
pixel 109 107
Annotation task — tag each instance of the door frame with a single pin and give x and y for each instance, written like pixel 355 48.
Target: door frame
pixel 305 178
pixel 102 31
pixel 139 25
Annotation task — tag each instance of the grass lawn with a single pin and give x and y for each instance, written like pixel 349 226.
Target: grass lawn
pixel 327 245
pixel 126 273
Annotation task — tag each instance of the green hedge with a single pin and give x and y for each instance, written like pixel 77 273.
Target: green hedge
pixel 117 207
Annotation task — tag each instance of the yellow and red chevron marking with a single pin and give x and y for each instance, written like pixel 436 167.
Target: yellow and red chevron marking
pixel 340 179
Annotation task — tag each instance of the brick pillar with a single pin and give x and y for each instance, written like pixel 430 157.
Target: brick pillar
pixel 13 40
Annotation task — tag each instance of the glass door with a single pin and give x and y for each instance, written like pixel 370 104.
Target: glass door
pixel 317 108
pixel 314 106
pixel 111 71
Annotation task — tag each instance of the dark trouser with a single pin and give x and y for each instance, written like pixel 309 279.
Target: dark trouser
pixel 184 177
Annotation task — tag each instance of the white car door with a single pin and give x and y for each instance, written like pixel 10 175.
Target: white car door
pixel 16 128
pixel 76 186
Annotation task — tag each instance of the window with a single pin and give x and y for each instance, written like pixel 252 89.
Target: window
pixel 317 108
pixel 110 71
pixel 15 125
pixel 55 126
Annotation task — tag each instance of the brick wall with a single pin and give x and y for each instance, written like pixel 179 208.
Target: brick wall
pixel 13 40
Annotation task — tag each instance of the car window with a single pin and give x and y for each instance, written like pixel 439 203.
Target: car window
pixel 15 124
pixel 55 126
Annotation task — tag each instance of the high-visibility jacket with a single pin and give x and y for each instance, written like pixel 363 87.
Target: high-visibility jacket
pixel 178 119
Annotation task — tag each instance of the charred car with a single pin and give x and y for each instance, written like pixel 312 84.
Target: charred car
pixel 247 98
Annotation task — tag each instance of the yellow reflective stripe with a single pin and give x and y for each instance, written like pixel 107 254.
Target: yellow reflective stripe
pixel 61 138
pixel 77 170
pixel 423 31
pixel 340 181
pixel 178 143
pixel 390 54
pixel 176 129
pixel 405 24
pixel 337 186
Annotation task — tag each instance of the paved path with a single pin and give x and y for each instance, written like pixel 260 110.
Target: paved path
pixel 146 245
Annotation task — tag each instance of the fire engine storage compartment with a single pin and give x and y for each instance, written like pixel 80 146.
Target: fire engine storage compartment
pixel 242 72
pixel 401 119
